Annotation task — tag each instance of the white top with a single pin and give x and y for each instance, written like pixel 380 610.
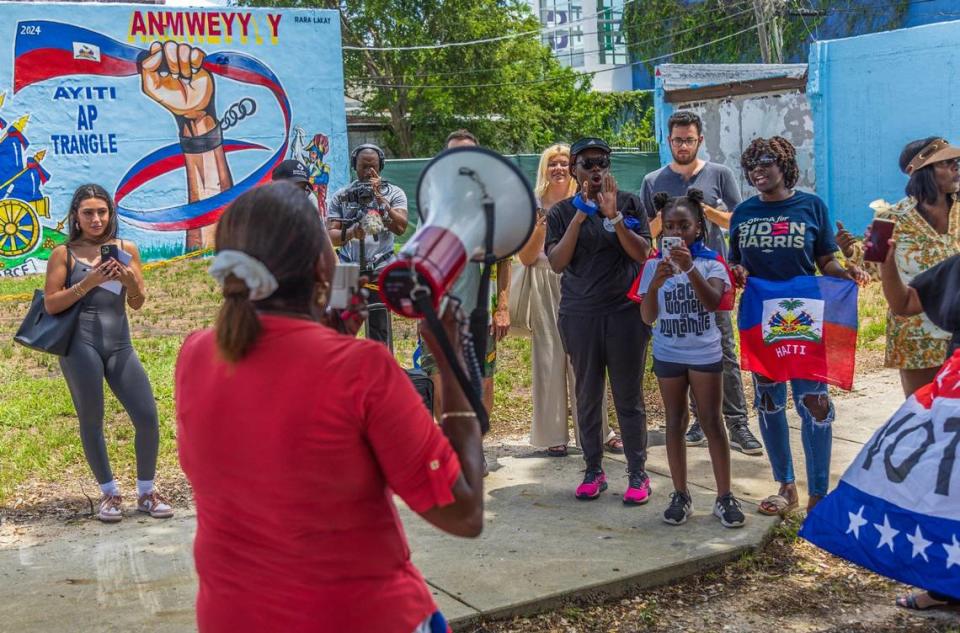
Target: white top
pixel 685 332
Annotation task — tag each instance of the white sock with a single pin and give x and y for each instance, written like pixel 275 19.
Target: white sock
pixel 144 487
pixel 110 488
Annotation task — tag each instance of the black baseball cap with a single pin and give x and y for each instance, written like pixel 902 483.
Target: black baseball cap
pixel 589 142
pixel 292 170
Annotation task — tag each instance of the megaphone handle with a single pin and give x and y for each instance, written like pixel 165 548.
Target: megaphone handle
pixel 425 306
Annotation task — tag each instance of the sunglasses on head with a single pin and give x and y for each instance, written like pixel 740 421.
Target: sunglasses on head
pixel 589 163
pixel 763 161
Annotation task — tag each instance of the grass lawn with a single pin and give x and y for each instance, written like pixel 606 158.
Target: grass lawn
pixel 39 443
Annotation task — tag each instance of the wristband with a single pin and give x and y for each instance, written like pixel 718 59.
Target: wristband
pixel 458 414
pixel 204 143
pixel 617 219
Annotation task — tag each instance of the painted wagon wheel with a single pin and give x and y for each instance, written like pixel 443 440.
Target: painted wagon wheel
pixel 19 228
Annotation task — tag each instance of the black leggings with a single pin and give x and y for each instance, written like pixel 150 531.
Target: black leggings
pixel 85 367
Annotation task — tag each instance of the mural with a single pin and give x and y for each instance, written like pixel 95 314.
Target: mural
pixel 177 112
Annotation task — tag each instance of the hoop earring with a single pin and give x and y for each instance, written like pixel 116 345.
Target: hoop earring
pixel 322 292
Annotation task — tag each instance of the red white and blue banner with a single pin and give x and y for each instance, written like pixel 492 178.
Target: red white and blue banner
pixel 175 111
pixel 805 327
pixel 896 510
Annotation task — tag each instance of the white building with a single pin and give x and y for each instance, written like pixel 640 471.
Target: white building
pixel 587 36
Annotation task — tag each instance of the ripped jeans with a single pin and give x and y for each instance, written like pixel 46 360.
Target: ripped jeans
pixel 816 434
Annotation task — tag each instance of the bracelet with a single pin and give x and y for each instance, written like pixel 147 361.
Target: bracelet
pixel 204 143
pixel 617 219
pixel 687 272
pixel 458 414
pixel 78 290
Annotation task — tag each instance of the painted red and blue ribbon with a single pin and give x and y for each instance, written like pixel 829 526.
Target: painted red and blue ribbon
pixel 44 50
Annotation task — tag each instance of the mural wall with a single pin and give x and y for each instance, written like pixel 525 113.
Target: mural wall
pixel 176 112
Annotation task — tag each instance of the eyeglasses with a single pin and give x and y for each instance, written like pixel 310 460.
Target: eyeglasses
pixel 680 142
pixel 763 161
pixel 589 163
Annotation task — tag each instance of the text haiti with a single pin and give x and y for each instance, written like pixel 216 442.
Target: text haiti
pixel 202 27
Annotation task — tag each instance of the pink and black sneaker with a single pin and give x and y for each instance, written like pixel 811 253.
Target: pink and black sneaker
pixel 594 482
pixel 638 489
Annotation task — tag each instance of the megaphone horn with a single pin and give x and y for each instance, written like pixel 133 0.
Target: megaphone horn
pixel 456 190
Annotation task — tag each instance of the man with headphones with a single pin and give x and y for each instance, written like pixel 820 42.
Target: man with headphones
pixel 362 219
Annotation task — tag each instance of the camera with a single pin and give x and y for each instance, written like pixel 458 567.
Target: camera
pixel 363 196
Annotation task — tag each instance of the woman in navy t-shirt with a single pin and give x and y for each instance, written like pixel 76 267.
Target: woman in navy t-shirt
pixel 779 234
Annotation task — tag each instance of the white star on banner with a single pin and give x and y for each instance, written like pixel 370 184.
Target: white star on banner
pixel 886 533
pixel 856 522
pixel 920 544
pixel 953 552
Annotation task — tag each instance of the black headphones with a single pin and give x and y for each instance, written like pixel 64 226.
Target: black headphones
pixel 359 148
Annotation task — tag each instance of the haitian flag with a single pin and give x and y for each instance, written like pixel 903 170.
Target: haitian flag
pixel 896 510
pixel 805 327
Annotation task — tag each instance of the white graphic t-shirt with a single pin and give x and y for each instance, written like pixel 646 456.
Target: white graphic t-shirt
pixel 685 331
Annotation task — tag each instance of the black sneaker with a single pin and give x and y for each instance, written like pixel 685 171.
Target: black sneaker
pixel 695 435
pixel 727 509
pixel 679 510
pixel 744 441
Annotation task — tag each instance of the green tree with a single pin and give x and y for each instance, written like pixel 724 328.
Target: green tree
pixel 655 28
pixel 512 93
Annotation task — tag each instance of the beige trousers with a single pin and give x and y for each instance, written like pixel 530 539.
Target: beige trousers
pixel 553 380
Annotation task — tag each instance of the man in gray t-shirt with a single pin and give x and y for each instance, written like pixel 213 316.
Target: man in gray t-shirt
pixel 370 211
pixel 720 188
pixel 720 191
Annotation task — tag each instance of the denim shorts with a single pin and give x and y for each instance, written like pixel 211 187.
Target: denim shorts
pixel 664 369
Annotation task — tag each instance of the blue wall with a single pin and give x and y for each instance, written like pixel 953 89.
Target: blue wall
pixel 870 95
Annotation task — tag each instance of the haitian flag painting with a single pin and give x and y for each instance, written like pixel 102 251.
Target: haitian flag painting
pixel 92 92
pixel 896 509
pixel 805 327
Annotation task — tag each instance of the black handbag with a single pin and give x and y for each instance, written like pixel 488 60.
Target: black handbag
pixel 47 332
pixel 424 386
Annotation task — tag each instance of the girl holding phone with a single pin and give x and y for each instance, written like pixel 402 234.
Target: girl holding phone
pixel 681 292
pixel 927 231
pixel 101 347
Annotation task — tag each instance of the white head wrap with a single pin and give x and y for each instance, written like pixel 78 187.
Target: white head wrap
pixel 258 278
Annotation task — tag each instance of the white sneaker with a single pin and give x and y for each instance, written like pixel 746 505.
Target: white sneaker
pixel 154 505
pixel 111 508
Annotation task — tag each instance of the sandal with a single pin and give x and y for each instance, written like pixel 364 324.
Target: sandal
pixel 557 451
pixel 909 601
pixel 776 505
pixel 614 445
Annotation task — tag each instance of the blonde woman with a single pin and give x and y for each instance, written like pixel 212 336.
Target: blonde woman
pixel 552 373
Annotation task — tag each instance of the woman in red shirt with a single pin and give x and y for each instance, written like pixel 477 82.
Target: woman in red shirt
pixel 295 437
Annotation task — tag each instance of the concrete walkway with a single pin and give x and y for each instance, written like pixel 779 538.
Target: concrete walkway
pixel 539 545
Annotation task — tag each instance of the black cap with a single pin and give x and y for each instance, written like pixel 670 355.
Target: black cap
pixel 589 142
pixel 292 170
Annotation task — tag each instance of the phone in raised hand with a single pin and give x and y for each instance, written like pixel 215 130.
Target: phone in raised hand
pixel 667 244
pixel 109 251
pixel 879 241
pixel 346 277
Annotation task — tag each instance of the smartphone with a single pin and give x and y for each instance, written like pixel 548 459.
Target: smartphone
pixel 879 242
pixel 344 286
pixel 669 243
pixel 109 251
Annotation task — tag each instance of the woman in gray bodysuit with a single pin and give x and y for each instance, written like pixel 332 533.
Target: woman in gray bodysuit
pixel 101 347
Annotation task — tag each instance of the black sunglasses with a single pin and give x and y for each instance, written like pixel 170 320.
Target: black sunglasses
pixel 589 163
pixel 763 161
